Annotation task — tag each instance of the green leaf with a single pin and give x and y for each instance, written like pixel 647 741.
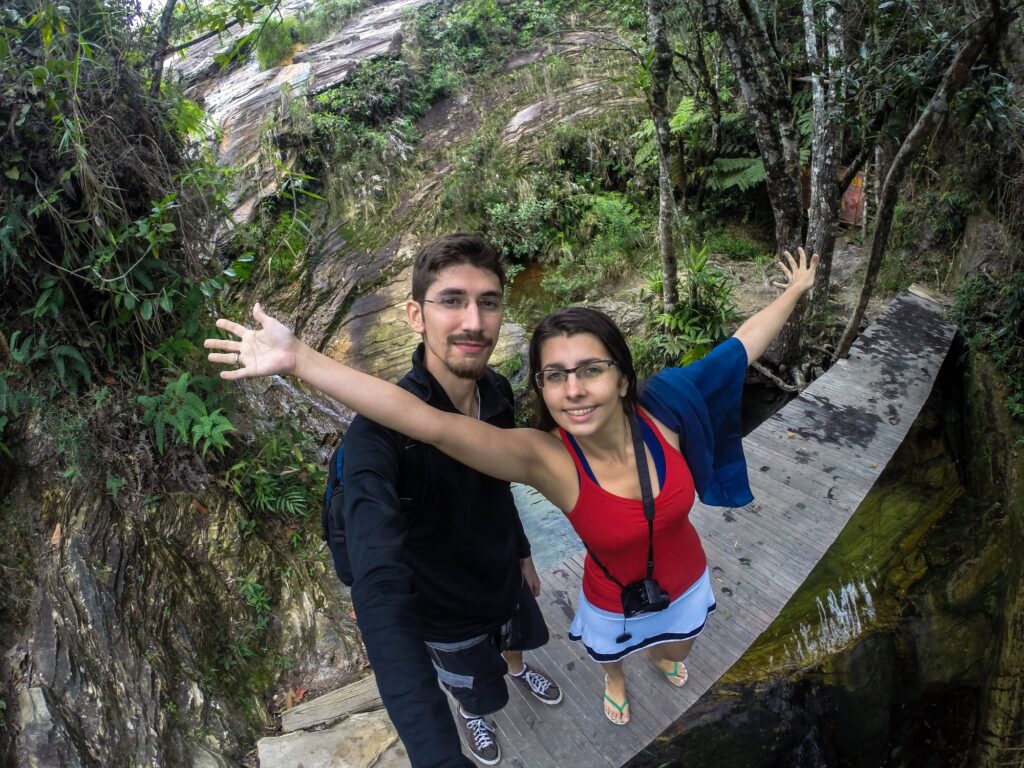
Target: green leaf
pixel 12 173
pixel 114 484
pixel 146 310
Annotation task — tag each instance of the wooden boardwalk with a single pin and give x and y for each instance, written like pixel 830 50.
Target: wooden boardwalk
pixel 810 465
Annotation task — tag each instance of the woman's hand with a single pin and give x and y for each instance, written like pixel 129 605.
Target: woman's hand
pixel 272 349
pixel 799 274
pixel 759 331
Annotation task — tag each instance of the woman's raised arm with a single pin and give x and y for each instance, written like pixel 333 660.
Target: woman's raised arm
pixel 518 455
pixel 759 330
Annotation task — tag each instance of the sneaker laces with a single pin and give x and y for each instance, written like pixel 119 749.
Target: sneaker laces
pixel 481 732
pixel 537 681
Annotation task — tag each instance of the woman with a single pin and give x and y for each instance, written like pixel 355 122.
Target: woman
pixel 645 582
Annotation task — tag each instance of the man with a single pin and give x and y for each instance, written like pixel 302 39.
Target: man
pixel 443 584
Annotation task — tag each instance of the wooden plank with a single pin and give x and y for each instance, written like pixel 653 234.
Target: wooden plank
pixel 583 705
pixel 536 733
pixel 360 696
pixel 584 683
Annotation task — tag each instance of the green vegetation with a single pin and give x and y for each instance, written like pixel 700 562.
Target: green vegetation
pixel 280 477
pixel 102 207
pixel 184 414
pixel 316 23
pixel 703 318
pixel 355 141
pixel 610 238
pixel 105 298
pixel 276 37
pixel 991 312
pixel 737 247
pixel 275 42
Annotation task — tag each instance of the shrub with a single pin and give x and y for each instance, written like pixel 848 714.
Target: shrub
pixel 736 247
pixel 275 42
pixel 325 17
pixel 519 229
pixel 607 239
pixel 991 312
pixel 702 318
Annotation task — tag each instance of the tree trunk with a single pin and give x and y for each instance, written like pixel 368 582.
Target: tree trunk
pixel 766 95
pixel 985 29
pixel 163 34
pixel 826 140
pixel 657 99
pixel 765 90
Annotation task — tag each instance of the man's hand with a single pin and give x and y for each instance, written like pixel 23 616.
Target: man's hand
pixel 530 575
pixel 272 349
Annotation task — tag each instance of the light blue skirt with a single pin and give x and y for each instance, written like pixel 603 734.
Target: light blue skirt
pixel 683 619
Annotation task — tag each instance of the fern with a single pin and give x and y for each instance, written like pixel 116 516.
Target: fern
pixel 185 413
pixel 685 116
pixel 741 172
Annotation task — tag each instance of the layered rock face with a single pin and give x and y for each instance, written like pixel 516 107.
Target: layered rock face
pixel 241 102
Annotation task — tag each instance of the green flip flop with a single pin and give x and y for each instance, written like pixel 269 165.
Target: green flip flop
pixel 622 709
pixel 683 676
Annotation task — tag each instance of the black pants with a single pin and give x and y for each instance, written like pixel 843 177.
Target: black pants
pixel 473 670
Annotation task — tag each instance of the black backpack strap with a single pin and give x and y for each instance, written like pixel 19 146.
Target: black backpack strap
pixel 334 482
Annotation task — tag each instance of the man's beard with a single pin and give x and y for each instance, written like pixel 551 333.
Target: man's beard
pixel 468 370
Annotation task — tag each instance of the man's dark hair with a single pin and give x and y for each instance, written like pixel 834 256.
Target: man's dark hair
pixel 457 248
pixel 571 322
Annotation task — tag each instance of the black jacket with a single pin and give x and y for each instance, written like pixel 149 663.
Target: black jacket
pixel 443 565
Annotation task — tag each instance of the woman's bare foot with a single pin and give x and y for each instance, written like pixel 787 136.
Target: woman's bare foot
pixel 674 671
pixel 616 703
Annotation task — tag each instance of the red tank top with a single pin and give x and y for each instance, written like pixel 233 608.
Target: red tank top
pixel 616 530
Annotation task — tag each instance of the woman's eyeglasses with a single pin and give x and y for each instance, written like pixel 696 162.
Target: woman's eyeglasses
pixel 557 377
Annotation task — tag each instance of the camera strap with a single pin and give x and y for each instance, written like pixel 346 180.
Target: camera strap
pixel 646 494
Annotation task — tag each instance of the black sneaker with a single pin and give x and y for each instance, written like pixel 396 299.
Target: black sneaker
pixel 480 739
pixel 538 684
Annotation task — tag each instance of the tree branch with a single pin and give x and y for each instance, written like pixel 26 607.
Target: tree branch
pixel 215 32
pixel 784 386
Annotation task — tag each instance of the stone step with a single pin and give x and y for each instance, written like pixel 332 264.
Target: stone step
pixel 360 741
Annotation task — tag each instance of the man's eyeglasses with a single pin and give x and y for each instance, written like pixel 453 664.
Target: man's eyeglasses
pixel 557 377
pixel 456 302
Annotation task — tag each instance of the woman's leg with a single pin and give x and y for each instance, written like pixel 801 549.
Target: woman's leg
pixel 668 657
pixel 616 703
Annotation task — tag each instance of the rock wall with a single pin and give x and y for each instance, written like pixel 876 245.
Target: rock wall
pixel 993 466
pixel 129 642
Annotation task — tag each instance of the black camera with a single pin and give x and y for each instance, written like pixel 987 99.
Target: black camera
pixel 645 596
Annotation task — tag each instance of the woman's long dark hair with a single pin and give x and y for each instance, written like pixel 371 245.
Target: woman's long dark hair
pixel 571 322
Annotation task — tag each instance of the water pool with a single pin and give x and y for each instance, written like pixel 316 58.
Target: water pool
pixel 552 539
